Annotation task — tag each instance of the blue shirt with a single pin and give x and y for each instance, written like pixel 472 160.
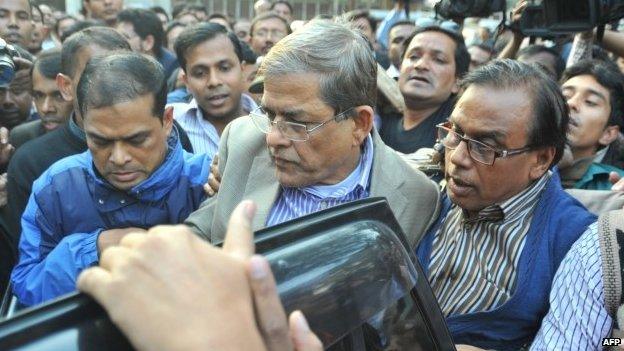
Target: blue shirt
pixel 577 319
pixel 297 202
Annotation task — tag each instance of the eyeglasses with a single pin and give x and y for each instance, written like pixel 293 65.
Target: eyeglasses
pixel 291 130
pixel 478 151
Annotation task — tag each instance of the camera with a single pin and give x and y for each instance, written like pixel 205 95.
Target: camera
pixel 469 8
pixel 7 65
pixel 547 17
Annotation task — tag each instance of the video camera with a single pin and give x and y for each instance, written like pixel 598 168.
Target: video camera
pixel 468 8
pixel 7 65
pixel 548 17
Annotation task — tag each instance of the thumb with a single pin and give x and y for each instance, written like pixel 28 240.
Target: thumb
pixel 239 237
pixel 303 338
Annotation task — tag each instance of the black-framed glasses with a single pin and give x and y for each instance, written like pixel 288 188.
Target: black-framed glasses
pixel 294 131
pixel 477 150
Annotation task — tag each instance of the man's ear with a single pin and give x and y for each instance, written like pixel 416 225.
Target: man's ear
pixel 455 88
pixel 363 119
pixel 609 135
pixel 183 76
pixel 64 83
pixel 148 43
pixel 168 119
pixel 541 162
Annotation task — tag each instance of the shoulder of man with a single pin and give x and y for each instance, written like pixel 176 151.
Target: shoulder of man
pixel 26 131
pixel 60 171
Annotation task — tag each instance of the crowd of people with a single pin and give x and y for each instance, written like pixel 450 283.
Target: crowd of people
pixel 123 122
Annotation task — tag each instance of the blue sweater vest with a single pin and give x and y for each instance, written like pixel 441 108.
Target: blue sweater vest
pixel 558 221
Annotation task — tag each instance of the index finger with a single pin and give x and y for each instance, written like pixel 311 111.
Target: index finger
pixel 4 135
pixel 239 237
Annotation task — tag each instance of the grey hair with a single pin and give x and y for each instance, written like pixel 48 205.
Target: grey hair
pixel 341 56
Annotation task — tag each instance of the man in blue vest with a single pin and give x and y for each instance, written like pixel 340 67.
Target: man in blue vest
pixel 135 175
pixel 506 223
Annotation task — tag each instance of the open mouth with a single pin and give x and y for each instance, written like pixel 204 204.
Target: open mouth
pixel 419 79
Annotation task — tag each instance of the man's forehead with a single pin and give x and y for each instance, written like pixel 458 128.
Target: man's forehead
pixel 15 5
pixel 433 41
pixel 402 29
pixel 270 23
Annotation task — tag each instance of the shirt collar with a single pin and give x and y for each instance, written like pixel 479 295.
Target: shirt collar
pixel 247 102
pixel 75 129
pixel 513 207
pixel 358 178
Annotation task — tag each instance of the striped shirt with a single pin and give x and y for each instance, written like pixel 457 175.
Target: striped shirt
pixel 297 202
pixel 203 135
pixel 577 319
pixel 474 261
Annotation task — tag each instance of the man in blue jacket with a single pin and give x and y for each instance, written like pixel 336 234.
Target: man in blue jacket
pixel 506 223
pixel 135 175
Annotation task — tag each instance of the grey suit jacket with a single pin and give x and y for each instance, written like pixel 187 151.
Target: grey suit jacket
pixel 248 174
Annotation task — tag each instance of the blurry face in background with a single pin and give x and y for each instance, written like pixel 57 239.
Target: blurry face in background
pixel 396 38
pixel 105 10
pixel 38 34
pixel 283 10
pixel 163 20
pixel 172 36
pixel 53 110
pixel 478 57
pixel 266 33
pixel 363 25
pixel 241 28
pixel 187 18
pixel 16 24
pixel 63 25
pixel 16 100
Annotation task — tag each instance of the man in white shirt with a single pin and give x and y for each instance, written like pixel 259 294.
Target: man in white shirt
pixel 211 60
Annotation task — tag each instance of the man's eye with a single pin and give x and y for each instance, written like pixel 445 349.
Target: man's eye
pixel 137 140
pixel 99 142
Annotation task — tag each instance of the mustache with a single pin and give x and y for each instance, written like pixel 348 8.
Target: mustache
pixel 283 155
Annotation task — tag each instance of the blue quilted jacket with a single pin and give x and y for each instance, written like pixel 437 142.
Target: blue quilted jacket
pixel 71 204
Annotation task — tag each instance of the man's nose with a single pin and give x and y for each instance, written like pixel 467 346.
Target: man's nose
pixel 13 20
pixel 573 103
pixel 422 63
pixel 214 79
pixel 7 99
pixel 275 138
pixel 460 156
pixel 47 106
pixel 119 156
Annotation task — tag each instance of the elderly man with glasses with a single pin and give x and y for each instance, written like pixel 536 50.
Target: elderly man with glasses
pixel 506 223
pixel 311 144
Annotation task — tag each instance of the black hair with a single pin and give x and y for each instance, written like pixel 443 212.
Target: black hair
pixel 249 56
pixel 103 37
pixel 607 74
pixel 80 25
pixel 354 15
pixel 177 10
pixel 145 22
pixel 462 57
pixel 550 111
pixel 533 50
pixel 221 16
pixel 266 16
pixel 284 2
pixel 202 32
pixel 48 63
pixel 160 10
pixel 170 26
pixel 121 77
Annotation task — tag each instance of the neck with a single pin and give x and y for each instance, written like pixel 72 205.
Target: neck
pixel 220 123
pixel 413 117
pixel 347 167
pixel 582 153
